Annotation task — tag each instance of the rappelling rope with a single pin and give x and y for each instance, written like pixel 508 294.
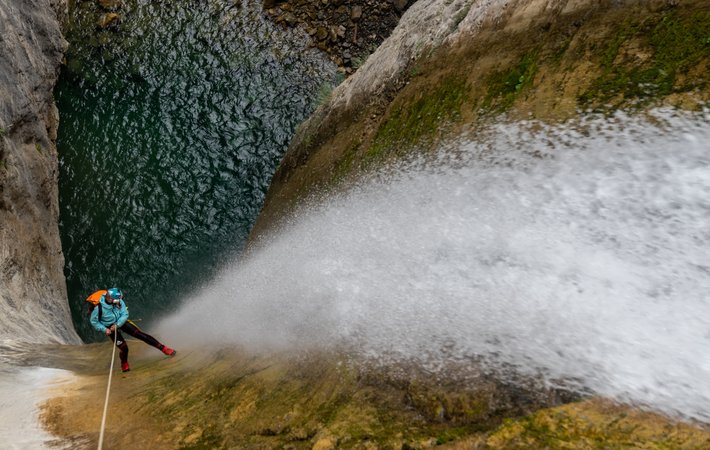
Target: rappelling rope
pixel 108 390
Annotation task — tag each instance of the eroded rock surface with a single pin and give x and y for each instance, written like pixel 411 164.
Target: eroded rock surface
pixel 33 299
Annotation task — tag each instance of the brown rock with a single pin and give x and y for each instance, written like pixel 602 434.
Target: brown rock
pixel 269 4
pixel 356 13
pixel 333 33
pixel 400 5
pixel 290 18
pixel 111 4
pixel 107 19
pixel 326 443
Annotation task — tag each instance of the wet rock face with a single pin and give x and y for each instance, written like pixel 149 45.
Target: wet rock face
pixel 33 301
pixel 348 30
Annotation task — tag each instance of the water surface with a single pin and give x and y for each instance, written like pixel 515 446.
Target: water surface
pixel 172 124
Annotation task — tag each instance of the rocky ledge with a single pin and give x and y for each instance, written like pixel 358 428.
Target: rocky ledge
pixel 347 30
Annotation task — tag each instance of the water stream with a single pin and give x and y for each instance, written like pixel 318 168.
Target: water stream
pixel 577 253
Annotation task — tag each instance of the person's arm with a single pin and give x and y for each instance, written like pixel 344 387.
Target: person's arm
pixel 124 315
pixel 98 326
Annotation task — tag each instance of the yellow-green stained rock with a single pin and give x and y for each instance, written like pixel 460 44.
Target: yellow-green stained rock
pixel 326 443
pixel 597 424
pixel 108 19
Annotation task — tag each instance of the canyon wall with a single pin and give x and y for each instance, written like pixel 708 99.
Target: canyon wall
pixel 33 299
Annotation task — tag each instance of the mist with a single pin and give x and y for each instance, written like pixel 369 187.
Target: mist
pixel 576 252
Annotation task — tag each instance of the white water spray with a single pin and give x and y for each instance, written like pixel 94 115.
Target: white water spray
pixel 22 390
pixel 579 252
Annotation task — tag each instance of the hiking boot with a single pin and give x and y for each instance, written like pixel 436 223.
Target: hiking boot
pixel 168 351
pixel 124 367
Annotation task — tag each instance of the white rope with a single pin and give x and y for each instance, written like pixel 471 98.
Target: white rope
pixel 108 389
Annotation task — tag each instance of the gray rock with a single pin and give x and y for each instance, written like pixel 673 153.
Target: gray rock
pixel 33 297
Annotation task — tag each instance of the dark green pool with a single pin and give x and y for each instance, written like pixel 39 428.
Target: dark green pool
pixel 172 124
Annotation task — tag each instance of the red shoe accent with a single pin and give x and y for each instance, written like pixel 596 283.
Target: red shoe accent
pixel 168 351
pixel 124 367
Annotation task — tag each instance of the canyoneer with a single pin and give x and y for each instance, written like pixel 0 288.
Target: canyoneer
pixel 109 315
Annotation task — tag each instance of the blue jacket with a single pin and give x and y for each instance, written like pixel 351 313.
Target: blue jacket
pixel 110 314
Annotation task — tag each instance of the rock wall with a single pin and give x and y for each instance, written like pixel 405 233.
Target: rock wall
pixel 33 299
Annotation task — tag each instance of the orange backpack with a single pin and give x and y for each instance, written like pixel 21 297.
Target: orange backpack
pixel 94 300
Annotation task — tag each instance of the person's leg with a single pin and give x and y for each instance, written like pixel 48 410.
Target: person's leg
pixel 117 338
pixel 130 328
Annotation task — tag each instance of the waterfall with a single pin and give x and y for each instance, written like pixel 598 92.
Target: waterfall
pixel 577 252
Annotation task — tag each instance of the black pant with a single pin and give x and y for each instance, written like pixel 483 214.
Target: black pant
pixel 131 329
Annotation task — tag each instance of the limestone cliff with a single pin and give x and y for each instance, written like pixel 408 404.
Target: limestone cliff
pixel 33 299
